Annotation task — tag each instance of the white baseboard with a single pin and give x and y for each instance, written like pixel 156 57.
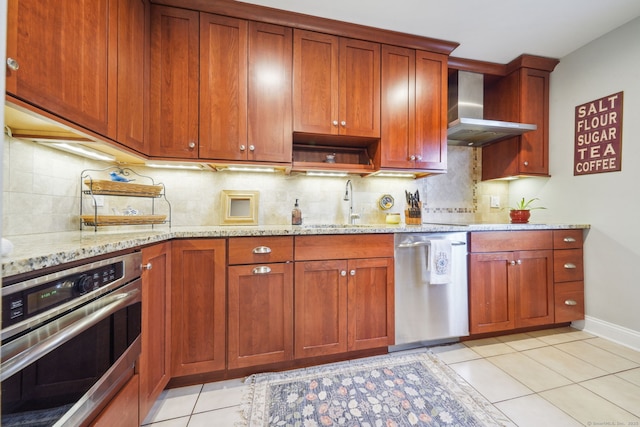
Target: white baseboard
pixel 612 332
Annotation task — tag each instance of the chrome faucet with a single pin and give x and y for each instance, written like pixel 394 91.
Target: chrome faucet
pixel 348 197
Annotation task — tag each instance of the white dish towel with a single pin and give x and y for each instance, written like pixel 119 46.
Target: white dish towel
pixel 439 262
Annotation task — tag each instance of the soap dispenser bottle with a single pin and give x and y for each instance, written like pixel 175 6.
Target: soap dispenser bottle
pixel 296 214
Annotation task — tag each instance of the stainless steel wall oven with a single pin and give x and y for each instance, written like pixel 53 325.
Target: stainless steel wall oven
pixel 70 339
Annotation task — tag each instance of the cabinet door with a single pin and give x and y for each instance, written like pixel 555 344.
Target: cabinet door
pixel 67 59
pixel 133 48
pixel 431 111
pixel 398 117
pixel 269 107
pixel 359 108
pixel 223 87
pixel 155 358
pixel 534 293
pixel 315 83
pixel 370 303
pixel 173 126
pixel 491 292
pixel 198 306
pixel 320 308
pixel 534 145
pixel 260 314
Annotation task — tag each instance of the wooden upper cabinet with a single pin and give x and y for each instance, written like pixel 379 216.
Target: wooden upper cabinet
pixel 245 90
pixel 522 96
pixel 173 125
pixel 223 88
pixel 133 89
pixel 336 85
pixel 67 59
pixel 413 122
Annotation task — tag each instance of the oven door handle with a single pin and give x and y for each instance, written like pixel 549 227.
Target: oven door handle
pixel 20 353
pixel 427 243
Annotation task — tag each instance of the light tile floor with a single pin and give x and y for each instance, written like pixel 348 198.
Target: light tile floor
pixel 558 377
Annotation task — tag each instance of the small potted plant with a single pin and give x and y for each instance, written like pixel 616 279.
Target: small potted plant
pixel 522 211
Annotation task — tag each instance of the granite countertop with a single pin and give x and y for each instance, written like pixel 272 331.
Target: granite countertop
pixel 36 251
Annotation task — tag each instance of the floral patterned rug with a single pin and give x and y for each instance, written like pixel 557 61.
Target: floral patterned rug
pixel 386 391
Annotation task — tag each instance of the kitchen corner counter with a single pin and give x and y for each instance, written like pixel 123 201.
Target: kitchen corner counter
pixel 38 251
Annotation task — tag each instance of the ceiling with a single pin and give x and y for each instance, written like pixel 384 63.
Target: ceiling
pixel 488 30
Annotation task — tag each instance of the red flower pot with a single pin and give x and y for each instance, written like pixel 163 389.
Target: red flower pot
pixel 519 216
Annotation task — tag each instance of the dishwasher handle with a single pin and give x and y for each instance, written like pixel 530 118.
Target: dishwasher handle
pixel 427 243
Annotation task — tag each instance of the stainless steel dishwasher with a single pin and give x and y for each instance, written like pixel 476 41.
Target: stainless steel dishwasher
pixel 426 313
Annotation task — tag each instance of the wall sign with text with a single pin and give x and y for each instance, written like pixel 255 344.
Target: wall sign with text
pixel 598 144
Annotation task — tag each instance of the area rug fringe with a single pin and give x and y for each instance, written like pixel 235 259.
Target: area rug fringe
pixel 255 405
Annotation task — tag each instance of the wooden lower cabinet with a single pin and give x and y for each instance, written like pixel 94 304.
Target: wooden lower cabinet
pixel 198 306
pixel 343 304
pixel 568 275
pixel 155 359
pixel 510 289
pixel 122 411
pixel 260 317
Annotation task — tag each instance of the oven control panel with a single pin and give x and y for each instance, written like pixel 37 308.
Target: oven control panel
pixel 19 306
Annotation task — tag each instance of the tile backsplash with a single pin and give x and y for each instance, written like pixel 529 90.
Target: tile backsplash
pixel 42 186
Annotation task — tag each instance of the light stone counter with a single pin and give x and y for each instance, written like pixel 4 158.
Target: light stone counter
pixel 37 251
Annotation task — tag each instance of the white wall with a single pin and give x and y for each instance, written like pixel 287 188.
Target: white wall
pixel 610 202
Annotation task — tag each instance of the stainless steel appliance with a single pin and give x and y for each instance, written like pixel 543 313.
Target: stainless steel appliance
pixel 427 313
pixel 70 339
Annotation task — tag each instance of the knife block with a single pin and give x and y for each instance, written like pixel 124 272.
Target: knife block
pixel 413 216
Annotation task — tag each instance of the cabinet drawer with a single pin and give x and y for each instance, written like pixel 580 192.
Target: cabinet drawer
pixel 569 301
pixel 502 241
pixel 568 265
pixel 310 248
pixel 260 250
pixel 567 239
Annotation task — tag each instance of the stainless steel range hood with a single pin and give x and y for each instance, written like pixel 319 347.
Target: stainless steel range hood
pixel 467 126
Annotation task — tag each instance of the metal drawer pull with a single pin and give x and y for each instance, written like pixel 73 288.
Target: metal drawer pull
pixel 570 302
pixel 569 265
pixel 569 239
pixel 262 250
pixel 262 270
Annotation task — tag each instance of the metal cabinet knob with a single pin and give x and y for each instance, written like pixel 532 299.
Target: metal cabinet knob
pixel 526 163
pixel 343 123
pixel 352 272
pixel 13 64
pixel 146 266
pixel 343 273
pixel 519 262
pixel 262 250
pixel 412 158
pixel 569 240
pixel 418 158
pixel 512 263
pixel 570 302
pixel 192 145
pixel 263 269
pixel 569 265
pixel 252 148
pixel 335 123
pixel 242 148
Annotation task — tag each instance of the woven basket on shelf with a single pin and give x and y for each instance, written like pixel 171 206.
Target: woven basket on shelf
pixel 122 219
pixel 122 188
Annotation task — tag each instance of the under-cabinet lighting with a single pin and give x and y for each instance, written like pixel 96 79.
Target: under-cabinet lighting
pixel 175 166
pixel 326 173
pixel 78 149
pixel 247 169
pixel 395 174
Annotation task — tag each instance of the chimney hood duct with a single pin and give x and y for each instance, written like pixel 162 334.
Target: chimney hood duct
pixel 467 126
